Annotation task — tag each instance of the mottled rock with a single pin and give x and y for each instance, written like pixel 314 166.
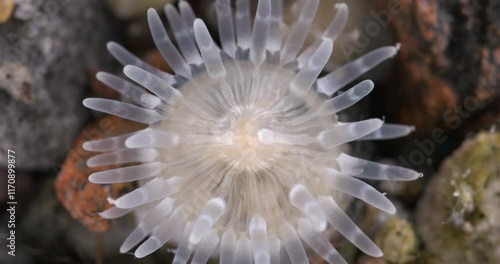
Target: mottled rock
pixel 46 50
pixel 48 234
pixel 458 217
pixel 397 240
pixel 81 198
pixel 449 60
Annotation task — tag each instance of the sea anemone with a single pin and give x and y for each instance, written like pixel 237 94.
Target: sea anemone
pixel 243 156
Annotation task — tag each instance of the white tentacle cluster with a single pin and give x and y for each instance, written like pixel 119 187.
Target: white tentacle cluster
pixel 242 158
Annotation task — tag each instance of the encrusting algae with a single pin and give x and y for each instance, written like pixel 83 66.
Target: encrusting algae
pixel 397 240
pixel 459 215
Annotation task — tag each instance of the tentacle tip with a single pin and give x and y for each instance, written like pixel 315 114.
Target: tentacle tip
pixel 93 178
pixel 102 214
pixel 377 253
pixel 124 204
pixel 128 69
pixel 86 102
pixel 192 242
pixel 140 254
pixel 90 163
pixel 327 41
pixel 152 11
pixel 369 83
pixel 123 250
pixel 111 44
pixel 340 5
pixel 198 23
pixel 100 75
pixel 169 6
pixel 397 46
pixel 321 226
pixel 378 122
pixel 391 210
pixel 111 200
pixel 87 146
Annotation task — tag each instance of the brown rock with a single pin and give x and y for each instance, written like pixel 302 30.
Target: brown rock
pixel 81 198
pixel 449 63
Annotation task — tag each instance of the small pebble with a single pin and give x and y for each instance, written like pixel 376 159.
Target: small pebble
pixel 6 8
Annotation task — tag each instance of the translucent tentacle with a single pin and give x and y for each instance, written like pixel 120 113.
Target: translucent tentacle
pixel 154 190
pixel 373 170
pixel 228 247
pixel 301 198
pixel 213 210
pixel 243 251
pixel 205 248
pixel 243 26
pixel 161 234
pixel 107 144
pixel 154 84
pixel 123 110
pixel 389 131
pixel 166 47
pixel 306 77
pixel 127 174
pixel 155 215
pixel 123 156
pixel 274 40
pixel 292 244
pixel 348 132
pixel 183 250
pixel 332 32
pixel 260 32
pixel 125 57
pixel 339 220
pixel 132 91
pixel 317 242
pixel 331 83
pixel 187 15
pixel 183 36
pixel 226 27
pixel 259 241
pixel 297 35
pixel 114 212
pixel 359 189
pixel 152 138
pixel 209 51
pixel 347 99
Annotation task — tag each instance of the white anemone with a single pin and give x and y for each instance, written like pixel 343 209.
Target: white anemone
pixel 243 156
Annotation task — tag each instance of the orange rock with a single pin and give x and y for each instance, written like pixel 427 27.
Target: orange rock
pixel 81 198
pixel 444 61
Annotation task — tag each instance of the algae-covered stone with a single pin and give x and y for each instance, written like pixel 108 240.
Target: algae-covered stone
pixel 397 240
pixel 459 215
